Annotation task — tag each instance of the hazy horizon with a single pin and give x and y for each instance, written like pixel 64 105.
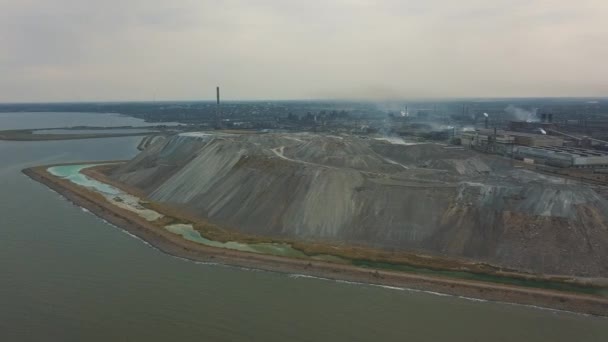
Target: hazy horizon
pixel 355 100
pixel 138 50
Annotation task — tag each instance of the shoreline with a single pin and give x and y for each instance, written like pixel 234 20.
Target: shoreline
pixel 173 244
pixel 359 255
pixel 17 135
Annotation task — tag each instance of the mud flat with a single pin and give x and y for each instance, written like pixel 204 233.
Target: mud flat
pixel 174 244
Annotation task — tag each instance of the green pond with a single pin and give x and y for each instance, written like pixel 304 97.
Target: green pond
pixel 74 175
pixel 189 233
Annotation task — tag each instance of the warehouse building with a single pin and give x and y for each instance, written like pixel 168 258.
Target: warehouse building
pixel 562 156
pixel 482 137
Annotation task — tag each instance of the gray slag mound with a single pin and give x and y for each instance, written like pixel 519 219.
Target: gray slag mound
pixel 346 190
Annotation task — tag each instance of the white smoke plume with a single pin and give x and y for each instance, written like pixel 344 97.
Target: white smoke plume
pixel 521 114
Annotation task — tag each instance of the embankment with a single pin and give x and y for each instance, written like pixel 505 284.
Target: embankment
pixel 27 135
pixel 175 245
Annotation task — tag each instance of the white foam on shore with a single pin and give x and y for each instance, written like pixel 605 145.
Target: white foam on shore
pixel 472 299
pixel 392 287
pixel 85 210
pixel 115 226
pixel 296 276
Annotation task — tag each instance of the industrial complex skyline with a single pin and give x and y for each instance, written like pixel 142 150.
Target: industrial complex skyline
pixel 67 50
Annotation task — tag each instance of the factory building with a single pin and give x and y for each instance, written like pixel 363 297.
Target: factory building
pixel 529 139
pixel 562 156
pixel 482 137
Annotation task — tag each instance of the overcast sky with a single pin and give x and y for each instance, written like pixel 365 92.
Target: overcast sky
pixel 79 50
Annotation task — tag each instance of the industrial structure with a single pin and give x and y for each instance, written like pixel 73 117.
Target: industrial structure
pixel 562 156
pixel 218 112
pixel 534 148
pixel 482 137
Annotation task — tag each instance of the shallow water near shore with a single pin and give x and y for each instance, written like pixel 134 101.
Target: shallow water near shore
pixel 70 276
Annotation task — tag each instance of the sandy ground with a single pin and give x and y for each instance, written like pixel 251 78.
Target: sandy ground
pixel 175 245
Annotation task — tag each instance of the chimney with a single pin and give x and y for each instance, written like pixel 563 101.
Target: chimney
pixel 486 122
pixel 218 109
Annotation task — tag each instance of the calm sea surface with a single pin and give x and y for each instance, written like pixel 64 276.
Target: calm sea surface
pixel 66 275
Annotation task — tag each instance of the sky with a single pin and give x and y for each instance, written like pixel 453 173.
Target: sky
pixel 115 50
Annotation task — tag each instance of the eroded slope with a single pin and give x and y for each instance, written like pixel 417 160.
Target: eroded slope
pixel 422 197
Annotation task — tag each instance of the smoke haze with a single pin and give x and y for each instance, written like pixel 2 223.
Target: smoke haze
pixel 521 114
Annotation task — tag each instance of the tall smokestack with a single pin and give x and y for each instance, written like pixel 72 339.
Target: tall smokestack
pixel 218 111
